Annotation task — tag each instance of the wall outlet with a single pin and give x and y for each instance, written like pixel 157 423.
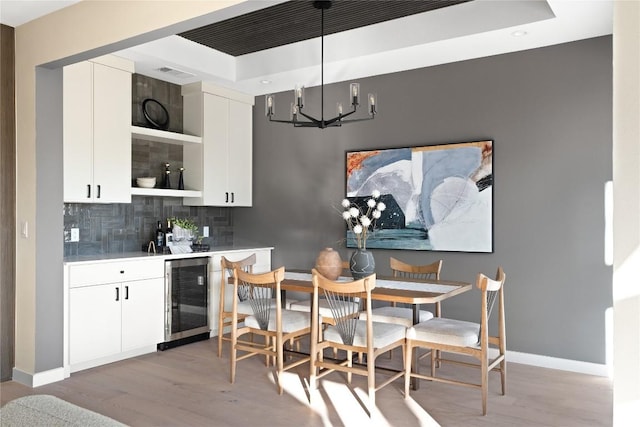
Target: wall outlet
pixel 75 235
pixel 205 231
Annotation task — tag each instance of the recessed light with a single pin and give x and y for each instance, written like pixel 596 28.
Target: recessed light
pixel 265 82
pixel 519 33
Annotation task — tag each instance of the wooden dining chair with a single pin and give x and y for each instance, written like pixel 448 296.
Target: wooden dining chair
pixel 268 319
pixel 349 333
pixel 225 313
pixel 323 305
pixel 466 338
pixel 404 315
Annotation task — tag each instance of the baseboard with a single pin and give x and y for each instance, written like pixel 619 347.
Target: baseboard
pixel 58 374
pixel 39 378
pixel 111 358
pixel 555 363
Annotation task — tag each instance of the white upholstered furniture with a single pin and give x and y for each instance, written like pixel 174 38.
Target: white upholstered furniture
pixel 225 315
pixel 268 319
pixel 350 334
pixel 466 338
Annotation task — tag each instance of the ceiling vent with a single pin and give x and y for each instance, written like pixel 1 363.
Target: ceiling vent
pixel 175 72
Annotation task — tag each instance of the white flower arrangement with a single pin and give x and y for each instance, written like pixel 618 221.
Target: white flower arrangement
pixel 361 223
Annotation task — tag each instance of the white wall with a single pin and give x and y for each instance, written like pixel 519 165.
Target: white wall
pixel 626 217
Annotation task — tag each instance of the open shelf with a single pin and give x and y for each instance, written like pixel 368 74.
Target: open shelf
pixel 156 135
pixel 161 192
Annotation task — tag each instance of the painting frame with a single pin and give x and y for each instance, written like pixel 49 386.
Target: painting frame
pixel 438 197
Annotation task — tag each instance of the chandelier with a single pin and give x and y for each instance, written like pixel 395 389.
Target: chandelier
pixel 301 119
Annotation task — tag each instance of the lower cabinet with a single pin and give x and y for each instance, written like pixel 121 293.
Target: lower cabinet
pixel 115 320
pixel 115 309
pixel 106 320
pixel 143 314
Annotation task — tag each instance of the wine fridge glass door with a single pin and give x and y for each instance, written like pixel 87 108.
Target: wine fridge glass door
pixel 187 294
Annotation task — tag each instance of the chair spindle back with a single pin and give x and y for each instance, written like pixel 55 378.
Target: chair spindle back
pixel 341 297
pixel 491 289
pixel 260 290
pixel 409 271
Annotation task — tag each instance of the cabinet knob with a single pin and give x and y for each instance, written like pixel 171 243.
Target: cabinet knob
pixel 121 271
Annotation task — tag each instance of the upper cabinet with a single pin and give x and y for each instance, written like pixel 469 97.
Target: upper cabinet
pixel 222 165
pixel 97 131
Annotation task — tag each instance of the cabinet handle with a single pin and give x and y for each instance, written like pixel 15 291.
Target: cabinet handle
pixel 98 191
pixel 126 292
pixel 88 191
pixel 117 294
pixel 121 271
pixel 226 197
pixel 233 197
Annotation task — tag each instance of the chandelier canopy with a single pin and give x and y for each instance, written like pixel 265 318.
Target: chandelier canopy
pixel 301 119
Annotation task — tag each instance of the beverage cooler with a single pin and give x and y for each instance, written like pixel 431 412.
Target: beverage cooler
pixel 186 301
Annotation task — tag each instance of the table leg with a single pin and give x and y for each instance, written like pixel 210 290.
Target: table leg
pixel 438 314
pixel 415 383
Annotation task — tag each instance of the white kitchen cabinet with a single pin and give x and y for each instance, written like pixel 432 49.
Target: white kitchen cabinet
pixel 263 264
pixel 94 322
pixel 222 166
pixel 97 131
pixel 116 310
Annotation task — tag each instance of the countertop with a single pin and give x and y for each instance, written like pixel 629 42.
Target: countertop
pixel 79 259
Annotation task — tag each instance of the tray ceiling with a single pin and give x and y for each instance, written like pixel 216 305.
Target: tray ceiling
pixel 295 21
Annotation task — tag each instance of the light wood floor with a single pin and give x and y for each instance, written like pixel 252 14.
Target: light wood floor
pixel 189 386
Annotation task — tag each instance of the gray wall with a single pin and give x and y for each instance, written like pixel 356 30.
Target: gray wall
pixel 49 295
pixel 548 112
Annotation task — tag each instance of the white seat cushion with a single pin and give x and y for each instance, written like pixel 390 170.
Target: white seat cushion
pixel 383 334
pixel 291 321
pixel 323 307
pixel 244 307
pixel 289 303
pixel 446 331
pixel 398 315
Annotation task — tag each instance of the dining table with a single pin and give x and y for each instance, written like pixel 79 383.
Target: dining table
pixel 413 292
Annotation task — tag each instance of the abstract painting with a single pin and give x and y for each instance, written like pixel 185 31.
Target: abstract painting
pixel 437 197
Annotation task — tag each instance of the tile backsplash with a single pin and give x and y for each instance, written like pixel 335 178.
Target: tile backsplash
pixel 126 227
pixel 167 94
